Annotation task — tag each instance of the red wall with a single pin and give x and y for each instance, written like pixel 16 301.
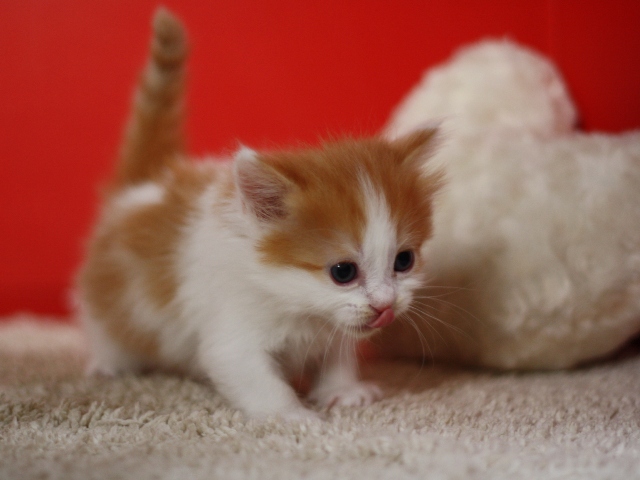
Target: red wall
pixel 264 73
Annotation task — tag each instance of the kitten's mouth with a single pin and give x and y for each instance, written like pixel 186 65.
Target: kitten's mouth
pixel 382 319
pixel 385 318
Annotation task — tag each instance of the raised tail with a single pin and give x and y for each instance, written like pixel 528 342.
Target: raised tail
pixel 154 135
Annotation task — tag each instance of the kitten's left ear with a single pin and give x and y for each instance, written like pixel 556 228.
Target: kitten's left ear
pixel 261 187
pixel 418 146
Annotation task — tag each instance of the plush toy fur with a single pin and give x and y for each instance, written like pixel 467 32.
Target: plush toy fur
pixel 535 258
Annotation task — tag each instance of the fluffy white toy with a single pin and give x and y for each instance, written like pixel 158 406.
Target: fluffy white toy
pixel 535 259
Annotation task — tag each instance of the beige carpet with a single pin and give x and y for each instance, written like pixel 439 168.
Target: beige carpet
pixel 435 423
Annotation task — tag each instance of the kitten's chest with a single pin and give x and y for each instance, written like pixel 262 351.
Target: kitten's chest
pixel 305 340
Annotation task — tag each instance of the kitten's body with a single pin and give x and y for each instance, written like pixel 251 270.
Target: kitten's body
pixel 225 268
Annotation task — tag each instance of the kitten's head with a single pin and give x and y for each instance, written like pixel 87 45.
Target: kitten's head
pixel 343 225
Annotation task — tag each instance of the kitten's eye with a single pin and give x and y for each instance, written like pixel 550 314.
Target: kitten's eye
pixel 344 272
pixel 404 261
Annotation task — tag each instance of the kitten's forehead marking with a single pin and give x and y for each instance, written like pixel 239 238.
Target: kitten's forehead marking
pixel 379 239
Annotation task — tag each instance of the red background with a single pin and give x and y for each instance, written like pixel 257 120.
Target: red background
pixel 264 73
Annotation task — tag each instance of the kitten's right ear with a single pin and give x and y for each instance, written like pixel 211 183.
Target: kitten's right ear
pixel 262 189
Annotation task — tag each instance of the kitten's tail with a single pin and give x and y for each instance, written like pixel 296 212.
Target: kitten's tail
pixel 154 135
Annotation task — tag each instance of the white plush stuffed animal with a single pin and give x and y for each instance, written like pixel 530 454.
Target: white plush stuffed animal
pixel 535 259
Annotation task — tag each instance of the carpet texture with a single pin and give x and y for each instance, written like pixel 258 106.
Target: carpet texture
pixel 435 422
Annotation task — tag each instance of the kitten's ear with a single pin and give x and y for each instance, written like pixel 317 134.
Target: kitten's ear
pixel 261 187
pixel 418 146
pixel 416 150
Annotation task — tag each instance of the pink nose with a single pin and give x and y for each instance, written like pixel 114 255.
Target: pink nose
pixel 384 318
pixel 381 308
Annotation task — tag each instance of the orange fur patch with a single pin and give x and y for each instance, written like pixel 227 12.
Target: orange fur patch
pixel 147 236
pixel 326 211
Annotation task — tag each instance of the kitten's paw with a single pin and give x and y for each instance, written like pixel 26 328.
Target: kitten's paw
pixel 354 395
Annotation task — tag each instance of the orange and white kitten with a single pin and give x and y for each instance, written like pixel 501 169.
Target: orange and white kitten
pixel 247 269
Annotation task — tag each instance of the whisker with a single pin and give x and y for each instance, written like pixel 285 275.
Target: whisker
pixel 451 304
pixel 313 340
pixel 428 324
pixel 328 347
pixel 423 341
pixel 422 338
pixel 354 342
pixel 451 290
pixel 458 330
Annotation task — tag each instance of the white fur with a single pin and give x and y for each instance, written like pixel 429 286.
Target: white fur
pixel 148 193
pixel 379 248
pixel 537 232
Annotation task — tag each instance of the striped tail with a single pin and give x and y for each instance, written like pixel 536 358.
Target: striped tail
pixel 154 136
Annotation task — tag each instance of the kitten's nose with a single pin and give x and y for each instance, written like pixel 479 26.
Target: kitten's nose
pixel 381 308
pixel 381 296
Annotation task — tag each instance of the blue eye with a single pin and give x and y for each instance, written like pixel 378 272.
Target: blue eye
pixel 404 261
pixel 344 272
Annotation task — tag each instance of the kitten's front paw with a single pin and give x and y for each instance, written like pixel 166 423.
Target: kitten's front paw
pixel 354 395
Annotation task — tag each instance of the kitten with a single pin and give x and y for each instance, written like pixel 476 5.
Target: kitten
pixel 248 269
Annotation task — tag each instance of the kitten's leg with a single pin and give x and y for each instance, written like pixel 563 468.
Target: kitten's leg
pixel 244 373
pixel 338 382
